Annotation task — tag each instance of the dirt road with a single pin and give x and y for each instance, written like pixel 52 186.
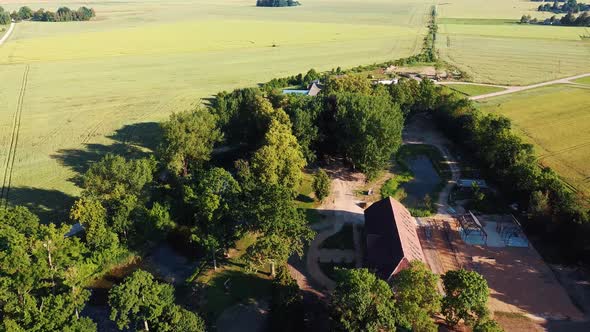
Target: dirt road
pixel 514 89
pixel 7 34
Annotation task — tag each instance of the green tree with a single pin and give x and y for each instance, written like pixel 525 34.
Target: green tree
pixel 177 319
pixel 4 18
pixel 362 302
pixel 189 138
pixel 25 13
pixel 417 297
pixel 466 297
pixel 215 199
pixel 487 325
pixel 370 130
pixel 139 300
pixel 114 177
pixel 280 160
pixel 321 184
pixel 282 228
pixel 35 289
pixel 92 216
pixel 349 84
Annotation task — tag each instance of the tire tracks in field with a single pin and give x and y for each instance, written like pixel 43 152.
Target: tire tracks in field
pixel 9 167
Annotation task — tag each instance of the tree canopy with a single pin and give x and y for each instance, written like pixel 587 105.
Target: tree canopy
pixel 362 302
pixel 142 301
pixel 370 129
pixel 466 297
pixel 417 297
pixel 189 138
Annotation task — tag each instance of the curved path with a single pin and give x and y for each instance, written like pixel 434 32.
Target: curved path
pixel 8 33
pixel 514 89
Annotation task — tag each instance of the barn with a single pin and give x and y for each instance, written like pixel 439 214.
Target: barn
pixel 391 238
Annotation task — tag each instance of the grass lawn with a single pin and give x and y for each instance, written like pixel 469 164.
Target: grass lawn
pixel 342 240
pixel 243 285
pixel 583 80
pixel 95 86
pixel 555 119
pixel 473 90
pixel 305 200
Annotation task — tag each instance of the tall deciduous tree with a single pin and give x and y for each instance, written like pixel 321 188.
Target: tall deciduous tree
pixel 114 177
pixel 362 302
pixel 282 227
pixel 139 300
pixel 189 138
pixel 280 160
pixel 215 198
pixel 92 216
pixel 370 130
pixel 466 297
pixel 417 297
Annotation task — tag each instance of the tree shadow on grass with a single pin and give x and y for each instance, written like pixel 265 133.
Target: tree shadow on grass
pixel 48 205
pixel 144 135
pixel 131 141
pixel 229 287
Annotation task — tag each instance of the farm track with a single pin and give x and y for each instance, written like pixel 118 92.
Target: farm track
pixel 515 89
pixel 9 167
pixel 8 33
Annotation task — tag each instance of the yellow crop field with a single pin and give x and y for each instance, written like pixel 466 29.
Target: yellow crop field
pixel 92 87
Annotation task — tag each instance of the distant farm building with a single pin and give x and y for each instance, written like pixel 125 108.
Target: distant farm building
pixel 386 82
pixel 392 238
pixel 312 90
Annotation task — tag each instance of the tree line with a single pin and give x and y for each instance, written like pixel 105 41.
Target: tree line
pixel 363 302
pixel 277 3
pixel 428 52
pixel 582 20
pixel 63 14
pixel 569 6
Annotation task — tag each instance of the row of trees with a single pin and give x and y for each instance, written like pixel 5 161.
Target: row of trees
pixel 510 163
pixel 363 302
pixel 428 53
pixel 277 3
pixel 569 6
pixel 583 20
pixel 63 14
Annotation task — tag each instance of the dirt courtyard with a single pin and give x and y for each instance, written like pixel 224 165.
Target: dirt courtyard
pixel 521 283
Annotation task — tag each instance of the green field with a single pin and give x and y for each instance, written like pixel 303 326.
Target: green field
pixel 583 80
pixel 92 86
pixel 473 90
pixel 486 43
pixel 556 119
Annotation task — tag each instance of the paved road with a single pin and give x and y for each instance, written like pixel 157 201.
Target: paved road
pixel 7 34
pixel 514 89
